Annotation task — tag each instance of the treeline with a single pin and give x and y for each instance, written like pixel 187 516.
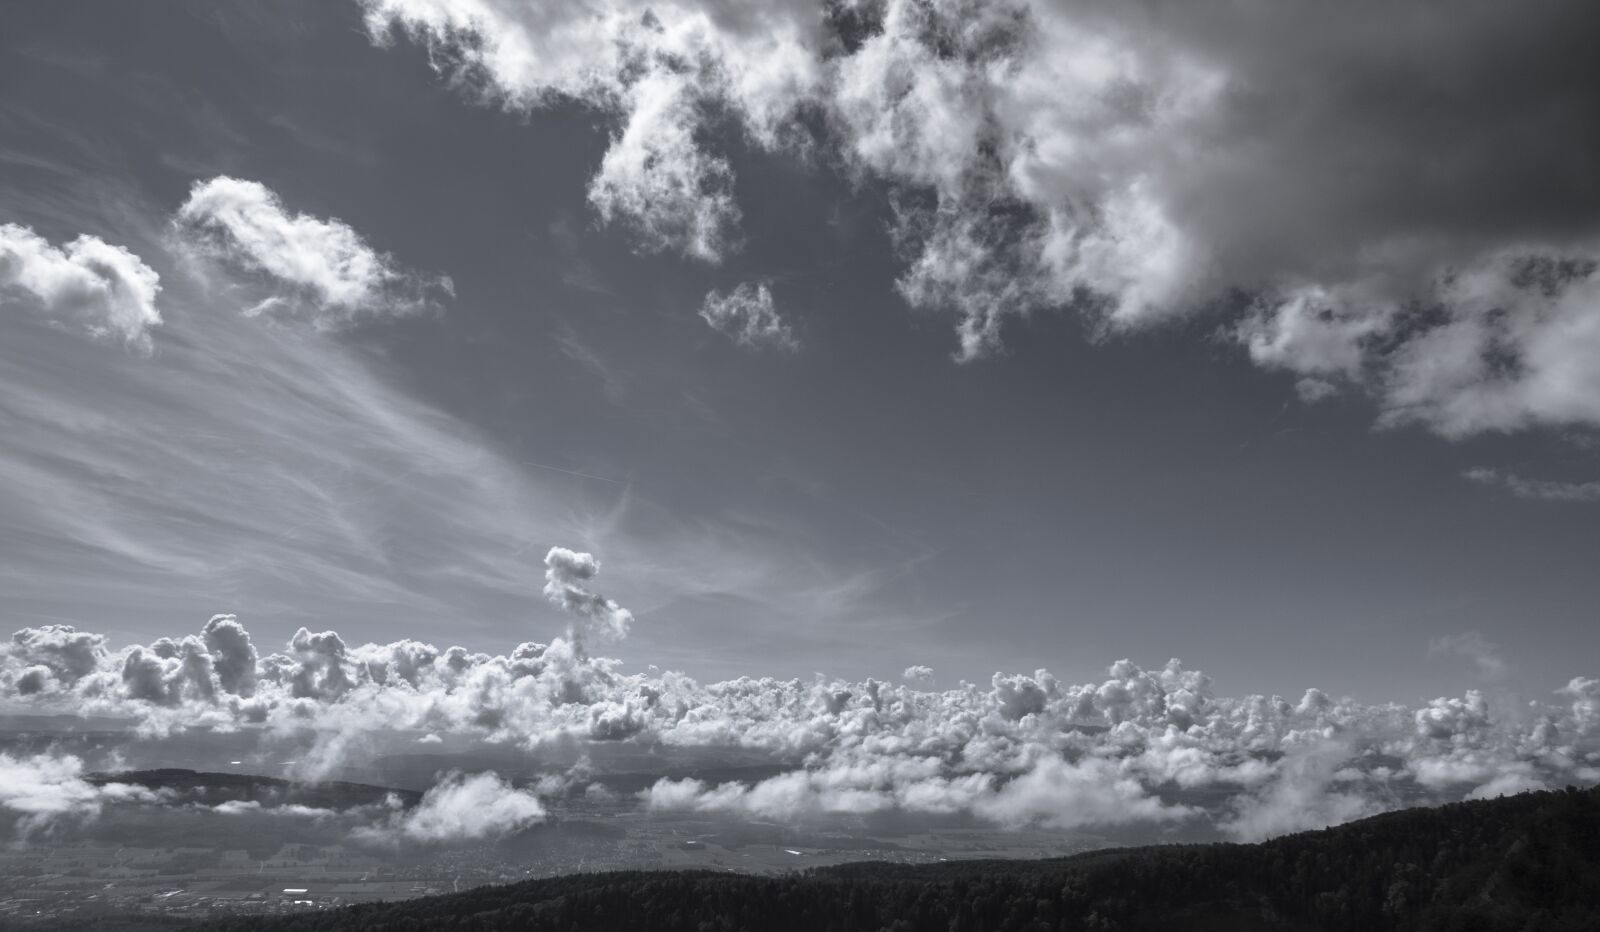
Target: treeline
pixel 1526 863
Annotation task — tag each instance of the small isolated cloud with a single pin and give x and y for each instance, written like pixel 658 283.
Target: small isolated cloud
pixel 1538 489
pixel 461 808
pixel 747 316
pixel 1312 391
pixel 312 267
pixel 918 675
pixel 1484 653
pixel 567 576
pixel 86 286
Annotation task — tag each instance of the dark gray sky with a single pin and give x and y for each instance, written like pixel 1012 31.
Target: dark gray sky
pixel 1319 413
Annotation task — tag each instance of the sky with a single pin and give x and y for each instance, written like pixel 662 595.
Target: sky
pixel 984 337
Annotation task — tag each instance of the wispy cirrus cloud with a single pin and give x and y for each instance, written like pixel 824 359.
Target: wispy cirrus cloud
pixel 1545 490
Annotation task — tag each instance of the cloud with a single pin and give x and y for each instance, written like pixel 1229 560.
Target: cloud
pixel 68 653
pixel 44 788
pixel 320 268
pixel 567 575
pixel 1312 788
pixel 460 808
pixel 1022 749
pixel 746 316
pixel 655 180
pixel 233 656
pixel 1543 490
pixel 86 286
pixel 1135 163
pixel 271 467
pixel 660 72
pixel 1483 653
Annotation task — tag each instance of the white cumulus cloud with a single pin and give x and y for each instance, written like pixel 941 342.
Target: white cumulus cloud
pixel 1135 162
pixel 1022 749
pixel 461 808
pixel 312 266
pixel 567 575
pixel 85 286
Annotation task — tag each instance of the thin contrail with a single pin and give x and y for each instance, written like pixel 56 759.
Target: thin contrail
pixel 571 472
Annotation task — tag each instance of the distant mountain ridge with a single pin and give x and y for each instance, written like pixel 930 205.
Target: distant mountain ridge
pixel 214 788
pixel 1526 863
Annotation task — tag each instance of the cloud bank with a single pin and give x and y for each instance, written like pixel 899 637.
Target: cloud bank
pixel 52 788
pixel 1143 746
pixel 1359 198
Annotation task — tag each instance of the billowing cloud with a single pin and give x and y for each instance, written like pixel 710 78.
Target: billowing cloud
pixel 1500 341
pixel 85 286
pixel 746 315
pixel 661 72
pixel 1141 746
pixel 320 268
pixel 233 656
pixel 460 808
pixel 566 583
pixel 66 652
pixel 1135 162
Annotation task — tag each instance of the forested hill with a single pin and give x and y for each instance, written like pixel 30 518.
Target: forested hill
pixel 1521 864
pixel 213 788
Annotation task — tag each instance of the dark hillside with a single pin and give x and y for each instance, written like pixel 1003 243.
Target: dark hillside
pixel 1528 862
pixel 213 788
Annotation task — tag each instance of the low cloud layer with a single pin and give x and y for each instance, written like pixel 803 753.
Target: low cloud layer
pixel 85 286
pixel 318 268
pixel 44 788
pixel 1358 198
pixel 54 788
pixel 1143 746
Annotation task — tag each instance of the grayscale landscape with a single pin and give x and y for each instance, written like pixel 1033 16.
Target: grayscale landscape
pixel 817 464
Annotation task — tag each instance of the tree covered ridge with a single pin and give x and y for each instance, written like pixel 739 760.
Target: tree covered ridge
pixel 1521 863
